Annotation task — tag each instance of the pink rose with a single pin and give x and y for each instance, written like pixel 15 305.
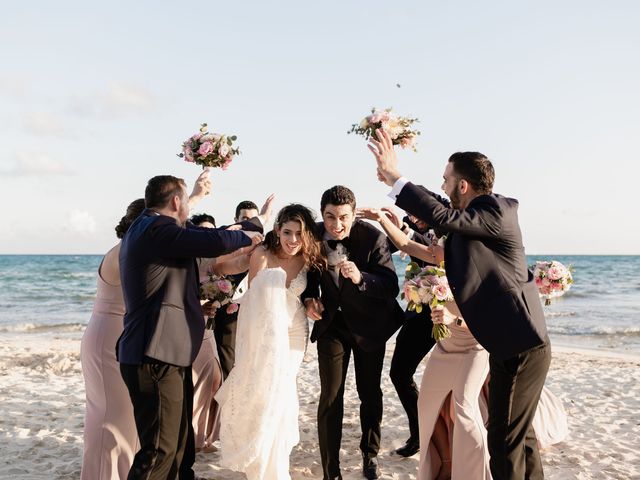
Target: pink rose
pixel 408 142
pixel 224 285
pixel 188 157
pixel 555 273
pixel 196 137
pixel 226 163
pixel 205 149
pixel 441 292
pixel 232 308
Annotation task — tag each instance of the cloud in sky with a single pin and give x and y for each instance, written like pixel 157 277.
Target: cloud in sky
pixel 116 100
pixel 33 164
pixel 13 87
pixel 43 123
pixel 81 222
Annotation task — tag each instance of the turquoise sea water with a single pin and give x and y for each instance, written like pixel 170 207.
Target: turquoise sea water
pixel 41 294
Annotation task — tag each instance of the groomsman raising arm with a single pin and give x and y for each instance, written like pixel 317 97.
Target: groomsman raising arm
pixel 487 270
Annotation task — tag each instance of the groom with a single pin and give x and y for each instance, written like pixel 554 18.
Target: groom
pixel 487 270
pixel 357 313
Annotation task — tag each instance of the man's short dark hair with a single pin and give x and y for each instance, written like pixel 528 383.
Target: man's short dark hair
pixel 476 169
pixel 161 189
pixel 337 195
pixel 245 205
pixel 200 218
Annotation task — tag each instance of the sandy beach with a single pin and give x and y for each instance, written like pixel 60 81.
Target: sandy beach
pixel 42 409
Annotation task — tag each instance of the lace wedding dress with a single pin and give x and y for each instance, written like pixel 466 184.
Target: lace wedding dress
pixel 259 399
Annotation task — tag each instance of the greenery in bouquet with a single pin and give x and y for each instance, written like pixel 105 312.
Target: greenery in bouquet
pixel 400 129
pixel 219 292
pixel 209 149
pixel 427 286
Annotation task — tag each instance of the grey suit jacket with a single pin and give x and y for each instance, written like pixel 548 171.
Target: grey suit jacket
pixel 487 269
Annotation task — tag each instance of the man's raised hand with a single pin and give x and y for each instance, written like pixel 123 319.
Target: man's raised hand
pixel 201 188
pixel 386 158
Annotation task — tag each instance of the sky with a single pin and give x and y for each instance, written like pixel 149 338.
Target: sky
pixel 95 99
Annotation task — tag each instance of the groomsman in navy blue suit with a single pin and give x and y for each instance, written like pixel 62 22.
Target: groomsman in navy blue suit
pixel 497 296
pixel 163 323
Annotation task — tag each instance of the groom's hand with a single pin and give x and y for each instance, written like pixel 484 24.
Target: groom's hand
pixel 349 270
pixel 314 308
pixel 382 149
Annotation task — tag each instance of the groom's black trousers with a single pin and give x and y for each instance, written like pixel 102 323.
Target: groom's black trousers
pixel 514 390
pixel 334 350
pixel 413 342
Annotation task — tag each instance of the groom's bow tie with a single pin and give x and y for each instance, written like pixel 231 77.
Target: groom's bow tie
pixel 346 242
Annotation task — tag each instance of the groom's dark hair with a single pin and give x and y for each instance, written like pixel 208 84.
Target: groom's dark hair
pixel 337 195
pixel 161 189
pixel 476 169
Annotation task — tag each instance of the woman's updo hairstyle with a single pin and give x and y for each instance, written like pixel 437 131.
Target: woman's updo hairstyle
pixel 134 210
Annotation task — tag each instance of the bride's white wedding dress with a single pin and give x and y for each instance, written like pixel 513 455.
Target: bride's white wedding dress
pixel 259 399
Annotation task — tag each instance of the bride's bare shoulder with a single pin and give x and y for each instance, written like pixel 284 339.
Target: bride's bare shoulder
pixel 259 261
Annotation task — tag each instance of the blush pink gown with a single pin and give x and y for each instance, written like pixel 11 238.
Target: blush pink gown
pixel 454 385
pixel 110 436
pixel 207 378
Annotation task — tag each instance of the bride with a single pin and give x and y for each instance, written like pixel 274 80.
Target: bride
pixel 259 400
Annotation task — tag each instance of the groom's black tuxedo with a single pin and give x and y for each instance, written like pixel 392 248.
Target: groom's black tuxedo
pixel 487 270
pixel 370 310
pixel 358 318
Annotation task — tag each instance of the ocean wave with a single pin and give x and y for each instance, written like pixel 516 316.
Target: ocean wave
pixel 39 328
pixel 595 330
pixel 560 314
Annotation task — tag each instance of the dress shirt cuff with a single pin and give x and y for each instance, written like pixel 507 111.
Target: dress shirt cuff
pixel 397 188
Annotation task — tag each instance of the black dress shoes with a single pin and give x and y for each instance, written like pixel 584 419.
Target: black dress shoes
pixel 370 468
pixel 409 449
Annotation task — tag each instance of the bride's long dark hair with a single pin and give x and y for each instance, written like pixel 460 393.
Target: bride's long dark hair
pixel 311 244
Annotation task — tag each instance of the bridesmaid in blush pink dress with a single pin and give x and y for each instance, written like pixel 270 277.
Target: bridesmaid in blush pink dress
pixel 110 436
pixel 207 378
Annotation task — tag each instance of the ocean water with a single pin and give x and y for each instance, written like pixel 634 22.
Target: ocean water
pixel 53 294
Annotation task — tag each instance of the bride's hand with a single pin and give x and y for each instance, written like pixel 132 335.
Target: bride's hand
pixel 314 308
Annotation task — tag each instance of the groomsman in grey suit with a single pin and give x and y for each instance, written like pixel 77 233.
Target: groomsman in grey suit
pixel 497 296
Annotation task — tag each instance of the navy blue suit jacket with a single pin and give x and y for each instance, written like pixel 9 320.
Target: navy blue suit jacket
pixel 160 282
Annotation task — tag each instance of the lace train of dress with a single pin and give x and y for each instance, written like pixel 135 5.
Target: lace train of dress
pixel 259 400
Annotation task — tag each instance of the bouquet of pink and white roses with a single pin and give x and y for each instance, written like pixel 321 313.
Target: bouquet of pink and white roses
pixel 209 149
pixel 427 286
pixel 552 279
pixel 219 291
pixel 399 128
